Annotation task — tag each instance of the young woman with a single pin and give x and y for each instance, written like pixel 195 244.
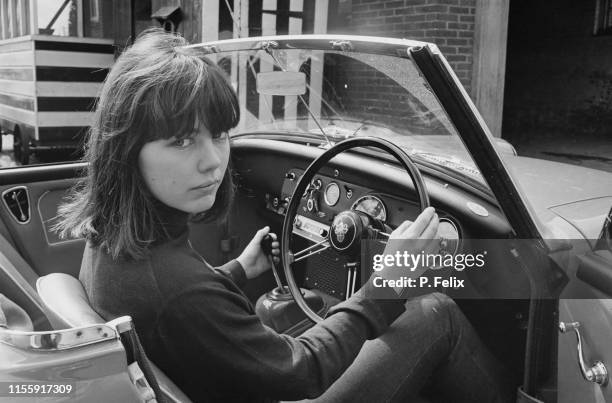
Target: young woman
pixel 158 156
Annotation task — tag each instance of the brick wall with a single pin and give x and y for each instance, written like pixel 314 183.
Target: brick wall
pixel 447 23
pixel 370 95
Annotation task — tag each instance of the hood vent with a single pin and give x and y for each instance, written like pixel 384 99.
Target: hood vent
pixel 17 201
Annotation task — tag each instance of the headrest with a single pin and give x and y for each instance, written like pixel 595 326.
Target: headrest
pixel 13 317
pixel 65 301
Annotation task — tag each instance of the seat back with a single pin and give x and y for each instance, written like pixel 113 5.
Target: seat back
pixel 66 305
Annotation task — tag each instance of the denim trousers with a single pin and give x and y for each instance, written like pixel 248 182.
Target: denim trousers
pixel 430 348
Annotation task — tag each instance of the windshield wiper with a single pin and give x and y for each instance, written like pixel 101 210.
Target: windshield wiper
pixel 267 47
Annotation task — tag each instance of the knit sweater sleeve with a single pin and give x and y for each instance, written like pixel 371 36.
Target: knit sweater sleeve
pixel 234 271
pixel 223 344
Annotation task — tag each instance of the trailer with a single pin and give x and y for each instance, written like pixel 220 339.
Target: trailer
pixel 48 90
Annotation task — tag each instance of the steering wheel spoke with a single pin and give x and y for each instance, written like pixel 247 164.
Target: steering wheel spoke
pixel 311 250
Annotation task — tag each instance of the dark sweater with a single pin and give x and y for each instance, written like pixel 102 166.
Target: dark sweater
pixel 201 330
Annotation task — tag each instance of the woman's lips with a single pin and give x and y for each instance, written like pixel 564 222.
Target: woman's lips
pixel 206 186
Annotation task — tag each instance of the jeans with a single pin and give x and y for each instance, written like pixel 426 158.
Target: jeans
pixel 430 346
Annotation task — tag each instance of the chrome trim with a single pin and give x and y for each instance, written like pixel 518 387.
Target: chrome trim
pixel 456 228
pixel 28 200
pixel 342 45
pixel 384 208
pixel 598 373
pixel 306 229
pixel 59 339
pixel 363 44
pixel 325 194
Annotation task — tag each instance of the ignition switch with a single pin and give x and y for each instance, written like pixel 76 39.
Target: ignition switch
pixel 314 192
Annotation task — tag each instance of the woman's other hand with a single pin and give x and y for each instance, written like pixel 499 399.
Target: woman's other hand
pixel 253 259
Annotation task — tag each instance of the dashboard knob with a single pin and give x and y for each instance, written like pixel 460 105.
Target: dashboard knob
pixel 298 223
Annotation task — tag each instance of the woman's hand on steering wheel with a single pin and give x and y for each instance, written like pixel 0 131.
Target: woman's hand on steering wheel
pixel 414 238
pixel 253 259
pixel 425 228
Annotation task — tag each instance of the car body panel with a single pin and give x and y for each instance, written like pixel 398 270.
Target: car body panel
pixel 98 372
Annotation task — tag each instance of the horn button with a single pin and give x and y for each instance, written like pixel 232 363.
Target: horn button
pixel 347 230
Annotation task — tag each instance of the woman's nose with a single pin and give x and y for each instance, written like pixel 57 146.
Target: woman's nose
pixel 209 154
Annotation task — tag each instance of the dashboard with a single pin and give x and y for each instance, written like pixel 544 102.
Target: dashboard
pixel 328 196
pixel 271 169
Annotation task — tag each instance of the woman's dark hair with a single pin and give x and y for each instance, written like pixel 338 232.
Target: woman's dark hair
pixel 156 89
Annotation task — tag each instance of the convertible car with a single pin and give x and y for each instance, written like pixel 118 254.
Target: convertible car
pixel 341 139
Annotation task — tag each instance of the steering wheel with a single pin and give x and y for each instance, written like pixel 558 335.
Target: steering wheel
pixel 349 227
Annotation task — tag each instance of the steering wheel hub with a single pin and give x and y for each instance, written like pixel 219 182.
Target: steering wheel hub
pixel 345 232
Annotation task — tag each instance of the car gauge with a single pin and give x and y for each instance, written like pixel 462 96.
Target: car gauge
pixel 332 194
pixel 449 237
pixel 372 206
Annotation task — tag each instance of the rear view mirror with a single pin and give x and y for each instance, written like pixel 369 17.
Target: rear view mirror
pixel 281 83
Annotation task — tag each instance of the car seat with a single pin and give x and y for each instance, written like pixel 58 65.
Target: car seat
pixel 13 317
pixel 67 306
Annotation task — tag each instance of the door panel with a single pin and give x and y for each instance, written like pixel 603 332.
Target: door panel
pixel 33 238
pixel 589 302
pixel 595 317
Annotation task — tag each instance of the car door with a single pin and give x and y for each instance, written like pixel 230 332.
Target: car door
pixel 586 266
pixel 586 308
pixel 29 247
pixel 30 198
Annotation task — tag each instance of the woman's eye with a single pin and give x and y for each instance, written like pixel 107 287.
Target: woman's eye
pixel 182 143
pixel 219 136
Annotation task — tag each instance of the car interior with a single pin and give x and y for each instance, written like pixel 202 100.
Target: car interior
pixel 265 172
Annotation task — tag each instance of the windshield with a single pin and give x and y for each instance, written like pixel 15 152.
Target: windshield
pixel 345 94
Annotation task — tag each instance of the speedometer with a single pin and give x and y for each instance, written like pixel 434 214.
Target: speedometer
pixel 332 194
pixel 372 206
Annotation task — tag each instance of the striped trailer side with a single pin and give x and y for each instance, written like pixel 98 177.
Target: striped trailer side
pixel 59 81
pixel 18 90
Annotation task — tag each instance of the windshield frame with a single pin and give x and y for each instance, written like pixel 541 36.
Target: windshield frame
pixel 446 87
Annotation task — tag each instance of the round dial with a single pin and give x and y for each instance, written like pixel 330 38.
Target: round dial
pixel 449 237
pixel 372 206
pixel 332 194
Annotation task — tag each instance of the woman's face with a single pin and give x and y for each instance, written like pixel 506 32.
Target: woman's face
pixel 185 174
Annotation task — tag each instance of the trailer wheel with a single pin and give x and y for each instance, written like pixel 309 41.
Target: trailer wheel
pixel 21 147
